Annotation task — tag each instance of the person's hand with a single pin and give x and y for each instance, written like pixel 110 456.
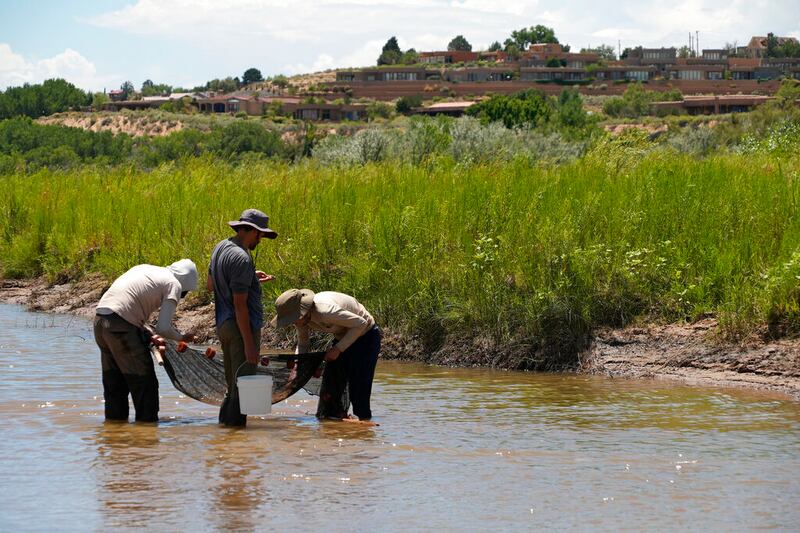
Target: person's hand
pixel 333 354
pixel 264 277
pixel 251 354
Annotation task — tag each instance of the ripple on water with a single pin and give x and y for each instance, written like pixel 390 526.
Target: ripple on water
pixel 455 449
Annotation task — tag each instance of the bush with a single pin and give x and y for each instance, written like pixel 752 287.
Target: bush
pixel 699 141
pixel 366 146
pixel 405 104
pixel 424 138
pixel 240 137
pixel 473 143
pixel 527 109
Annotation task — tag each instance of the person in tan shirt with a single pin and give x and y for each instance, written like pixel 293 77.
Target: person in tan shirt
pixel 358 339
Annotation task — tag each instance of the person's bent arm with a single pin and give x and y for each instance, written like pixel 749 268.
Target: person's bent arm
pixel 243 321
pixel 303 339
pixel 164 325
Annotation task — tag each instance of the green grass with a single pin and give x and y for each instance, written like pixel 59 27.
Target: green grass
pixel 529 257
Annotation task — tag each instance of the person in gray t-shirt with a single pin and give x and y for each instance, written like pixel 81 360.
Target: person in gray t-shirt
pixel 238 310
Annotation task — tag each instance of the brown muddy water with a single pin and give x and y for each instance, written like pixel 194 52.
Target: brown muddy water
pixel 455 450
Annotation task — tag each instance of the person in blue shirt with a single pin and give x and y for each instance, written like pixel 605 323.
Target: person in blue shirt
pixel 238 310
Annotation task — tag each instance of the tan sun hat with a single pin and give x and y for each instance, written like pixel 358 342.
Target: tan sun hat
pixel 292 305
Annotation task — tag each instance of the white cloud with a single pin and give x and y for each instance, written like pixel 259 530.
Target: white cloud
pixel 70 65
pixel 292 36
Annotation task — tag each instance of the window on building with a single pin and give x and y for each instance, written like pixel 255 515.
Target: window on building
pixel 400 76
pixel 639 75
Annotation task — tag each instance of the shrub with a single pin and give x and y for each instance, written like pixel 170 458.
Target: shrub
pixel 368 145
pixel 240 137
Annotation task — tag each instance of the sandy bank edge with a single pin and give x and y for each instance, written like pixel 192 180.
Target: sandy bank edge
pixel 685 352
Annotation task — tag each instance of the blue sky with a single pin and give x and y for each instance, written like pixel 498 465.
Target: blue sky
pixel 98 45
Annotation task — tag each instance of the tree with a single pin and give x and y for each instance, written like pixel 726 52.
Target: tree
pixel 555 62
pixel 526 36
pixel 570 110
pixel 98 99
pixel 459 43
pixel 513 51
pixel 127 90
pixel 243 136
pixel 495 46
pixel 605 51
pixel 155 89
pixel 410 57
pixel 772 45
pixel 251 75
pixel 684 52
pixel 226 85
pixel 528 108
pixel 52 96
pixel 391 53
pixel 391 45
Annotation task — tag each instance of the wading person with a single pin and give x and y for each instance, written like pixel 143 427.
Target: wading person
pixel 351 360
pixel 121 334
pixel 239 314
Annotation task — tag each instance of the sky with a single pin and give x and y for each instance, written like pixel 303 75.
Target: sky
pixel 98 45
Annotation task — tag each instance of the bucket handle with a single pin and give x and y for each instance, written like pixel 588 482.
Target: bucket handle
pixel 236 374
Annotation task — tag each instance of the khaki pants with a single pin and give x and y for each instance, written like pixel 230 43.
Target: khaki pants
pixel 235 365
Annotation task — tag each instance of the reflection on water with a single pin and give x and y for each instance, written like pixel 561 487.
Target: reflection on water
pixel 456 449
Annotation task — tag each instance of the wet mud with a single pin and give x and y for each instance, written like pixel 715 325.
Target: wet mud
pixel 692 353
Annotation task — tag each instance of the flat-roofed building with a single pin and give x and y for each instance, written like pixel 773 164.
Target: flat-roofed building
pixel 707 105
pixel 552 74
pixel 448 57
pixel 696 72
pixel 478 74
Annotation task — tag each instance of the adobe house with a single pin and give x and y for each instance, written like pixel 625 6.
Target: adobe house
pixel 696 72
pixel 619 72
pixel 553 73
pixel 327 111
pixel 448 57
pixel 707 105
pixel 450 109
pixel 660 58
pixel 393 73
pixel 757 47
pixel 478 74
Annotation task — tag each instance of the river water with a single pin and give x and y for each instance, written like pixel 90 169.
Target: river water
pixel 456 449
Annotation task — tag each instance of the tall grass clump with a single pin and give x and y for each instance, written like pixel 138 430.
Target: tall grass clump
pixel 525 257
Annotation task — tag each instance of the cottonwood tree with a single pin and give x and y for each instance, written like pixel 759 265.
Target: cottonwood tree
pixel 459 43
pixel 251 75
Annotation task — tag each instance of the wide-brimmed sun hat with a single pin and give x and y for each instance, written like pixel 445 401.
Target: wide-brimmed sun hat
pixel 292 305
pixel 255 219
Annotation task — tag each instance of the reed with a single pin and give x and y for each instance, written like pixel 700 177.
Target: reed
pixel 528 256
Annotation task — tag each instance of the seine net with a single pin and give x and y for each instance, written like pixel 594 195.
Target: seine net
pixel 203 378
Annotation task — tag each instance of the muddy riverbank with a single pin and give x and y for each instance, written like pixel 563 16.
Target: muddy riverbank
pixel 686 352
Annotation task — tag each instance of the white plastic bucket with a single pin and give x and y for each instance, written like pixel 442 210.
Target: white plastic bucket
pixel 255 394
